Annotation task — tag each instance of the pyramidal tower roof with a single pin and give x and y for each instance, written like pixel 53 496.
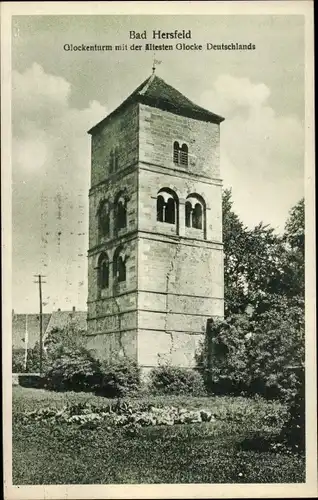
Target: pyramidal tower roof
pixel 157 93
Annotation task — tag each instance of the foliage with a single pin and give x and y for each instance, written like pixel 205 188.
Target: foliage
pixel 63 339
pixel 255 356
pixel 33 359
pixel 255 412
pixel 18 357
pixel 118 415
pixel 260 266
pixel 294 239
pixel 168 379
pixel 118 378
pixel 277 344
pixel 229 370
pixel 75 369
pixel 293 431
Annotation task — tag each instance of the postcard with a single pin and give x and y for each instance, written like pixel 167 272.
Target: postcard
pixel 158 250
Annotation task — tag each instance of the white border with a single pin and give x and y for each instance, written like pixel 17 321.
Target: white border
pixel 175 490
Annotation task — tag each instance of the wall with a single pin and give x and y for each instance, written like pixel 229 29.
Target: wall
pixel 119 131
pixel 180 287
pixel 180 269
pixel 158 131
pixel 112 314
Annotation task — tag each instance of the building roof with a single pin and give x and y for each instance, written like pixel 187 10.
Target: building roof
pixel 27 326
pixel 157 93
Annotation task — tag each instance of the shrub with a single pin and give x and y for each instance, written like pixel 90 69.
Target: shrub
pixel 33 359
pixel 31 380
pixel 75 370
pixel 254 356
pixel 225 356
pixel 168 379
pixel 293 432
pixel 119 378
pixel 18 361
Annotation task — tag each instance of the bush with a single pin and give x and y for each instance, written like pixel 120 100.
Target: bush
pixel 31 380
pixel 33 359
pixel 293 432
pixel 224 359
pixel 168 379
pixel 119 378
pixel 75 370
pixel 254 356
pixel 18 356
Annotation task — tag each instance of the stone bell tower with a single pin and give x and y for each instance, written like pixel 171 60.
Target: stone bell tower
pixel 155 259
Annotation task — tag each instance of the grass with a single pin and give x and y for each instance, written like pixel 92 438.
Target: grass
pixel 196 453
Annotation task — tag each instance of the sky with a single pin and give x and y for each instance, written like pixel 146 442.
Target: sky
pixel 58 95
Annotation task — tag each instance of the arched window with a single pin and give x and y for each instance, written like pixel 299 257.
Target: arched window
pixel 195 211
pixel 188 214
pixel 120 212
pixel 176 148
pixel 184 155
pixel 103 219
pixel 197 216
pixel 103 272
pixel 167 206
pixel 121 275
pixel 119 265
pixel 170 213
pixel 180 154
pixel 160 208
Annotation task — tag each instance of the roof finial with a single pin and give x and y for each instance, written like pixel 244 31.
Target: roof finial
pixel 155 62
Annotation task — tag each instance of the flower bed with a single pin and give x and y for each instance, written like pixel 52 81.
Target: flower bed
pixel 120 414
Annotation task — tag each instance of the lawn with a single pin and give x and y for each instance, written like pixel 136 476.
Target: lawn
pixel 194 453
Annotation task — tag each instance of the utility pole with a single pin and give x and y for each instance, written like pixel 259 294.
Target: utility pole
pixel 26 342
pixel 40 282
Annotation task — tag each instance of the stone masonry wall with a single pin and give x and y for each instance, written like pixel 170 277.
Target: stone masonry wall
pixel 180 286
pixel 119 131
pixel 158 131
pixel 112 313
pixel 180 269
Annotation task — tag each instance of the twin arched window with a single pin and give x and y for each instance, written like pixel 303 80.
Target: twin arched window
pixel 103 268
pixel 167 206
pixel 194 212
pixel 120 216
pixel 180 154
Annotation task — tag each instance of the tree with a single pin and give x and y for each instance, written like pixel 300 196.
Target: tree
pixel 60 340
pixel 294 264
pixel 234 240
pixel 252 263
pixel 260 266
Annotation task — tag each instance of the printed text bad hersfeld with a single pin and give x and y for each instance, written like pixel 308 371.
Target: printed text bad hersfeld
pixel 160 35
